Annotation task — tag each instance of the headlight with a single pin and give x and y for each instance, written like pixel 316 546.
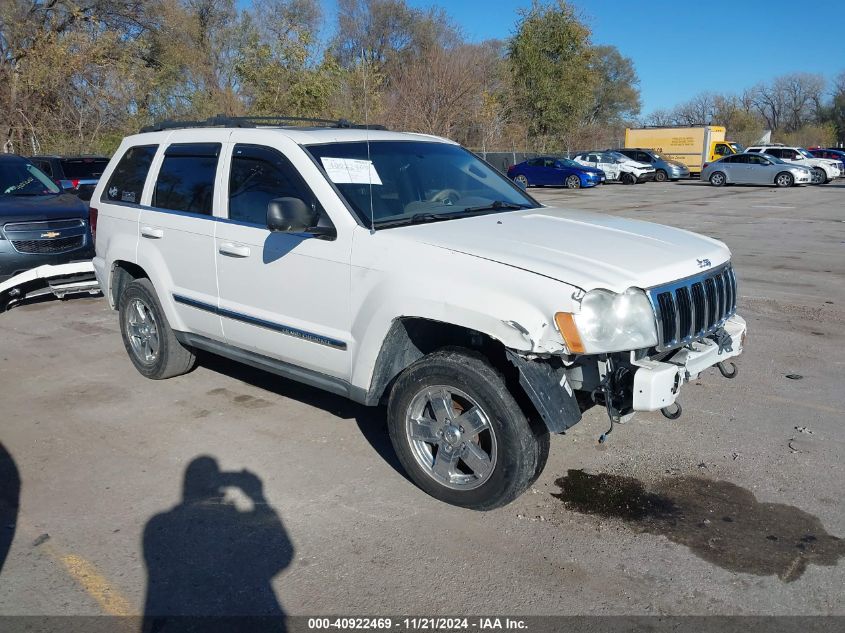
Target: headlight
pixel 609 322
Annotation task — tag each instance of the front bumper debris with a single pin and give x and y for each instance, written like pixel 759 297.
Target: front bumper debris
pixel 658 382
pixel 59 280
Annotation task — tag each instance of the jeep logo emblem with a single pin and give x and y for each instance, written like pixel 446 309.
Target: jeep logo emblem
pixel 703 263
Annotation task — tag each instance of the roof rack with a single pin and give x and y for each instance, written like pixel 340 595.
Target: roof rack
pixel 256 121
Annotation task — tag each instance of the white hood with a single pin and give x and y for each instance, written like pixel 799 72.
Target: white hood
pixel 587 250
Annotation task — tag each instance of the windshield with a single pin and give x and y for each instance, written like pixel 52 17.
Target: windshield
pixel 19 178
pixel 415 181
pixel 805 153
pixel 739 148
pixel 774 159
pixel 84 168
pixel 618 157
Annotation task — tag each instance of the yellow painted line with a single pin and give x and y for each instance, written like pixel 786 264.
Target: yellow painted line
pixel 96 586
pixel 84 574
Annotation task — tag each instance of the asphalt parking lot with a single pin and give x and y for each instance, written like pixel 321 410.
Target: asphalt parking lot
pixel 735 508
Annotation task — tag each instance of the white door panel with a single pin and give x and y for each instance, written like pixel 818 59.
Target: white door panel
pixel 183 250
pixel 177 247
pixel 281 295
pixel 285 296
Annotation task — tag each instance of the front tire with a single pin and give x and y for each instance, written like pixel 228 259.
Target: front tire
pixel 784 179
pixel 572 182
pixel 522 180
pixel 460 434
pixel 147 336
pixel 628 179
pixel 661 176
pixel 717 179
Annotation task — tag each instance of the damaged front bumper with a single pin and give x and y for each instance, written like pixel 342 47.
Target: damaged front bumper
pixel 657 382
pixel 59 280
pixel 624 383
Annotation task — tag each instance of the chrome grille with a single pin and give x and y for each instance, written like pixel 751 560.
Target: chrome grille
pixel 692 308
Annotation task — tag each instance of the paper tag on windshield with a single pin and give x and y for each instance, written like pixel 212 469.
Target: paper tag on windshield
pixel 351 170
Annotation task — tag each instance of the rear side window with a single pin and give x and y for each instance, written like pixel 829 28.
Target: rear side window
pixel 127 181
pixel 186 178
pixel 261 174
pixel 84 168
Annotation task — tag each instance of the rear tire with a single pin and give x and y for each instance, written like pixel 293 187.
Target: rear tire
pixel 718 179
pixel 147 336
pixel 784 179
pixel 460 434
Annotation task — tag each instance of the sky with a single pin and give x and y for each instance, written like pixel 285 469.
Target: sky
pixel 682 48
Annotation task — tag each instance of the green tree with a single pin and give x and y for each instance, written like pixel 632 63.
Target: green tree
pixel 552 81
pixel 616 95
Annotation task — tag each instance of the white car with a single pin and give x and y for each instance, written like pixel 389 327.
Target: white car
pixel 824 169
pixel 401 269
pixel 617 166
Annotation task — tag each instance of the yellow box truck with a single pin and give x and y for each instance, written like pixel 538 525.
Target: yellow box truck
pixel 692 146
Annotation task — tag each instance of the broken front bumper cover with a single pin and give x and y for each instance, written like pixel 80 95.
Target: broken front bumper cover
pixel 657 382
pixel 59 280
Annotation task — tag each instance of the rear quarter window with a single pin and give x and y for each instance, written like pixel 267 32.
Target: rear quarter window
pixel 127 181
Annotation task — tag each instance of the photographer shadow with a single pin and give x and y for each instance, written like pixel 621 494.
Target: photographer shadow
pixel 210 563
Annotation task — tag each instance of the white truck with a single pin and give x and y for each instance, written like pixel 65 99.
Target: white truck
pixel 401 269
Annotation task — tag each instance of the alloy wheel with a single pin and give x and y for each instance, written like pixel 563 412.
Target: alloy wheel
pixel 451 437
pixel 143 332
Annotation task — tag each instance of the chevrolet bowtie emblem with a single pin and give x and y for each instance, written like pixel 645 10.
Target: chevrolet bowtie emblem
pixel 51 234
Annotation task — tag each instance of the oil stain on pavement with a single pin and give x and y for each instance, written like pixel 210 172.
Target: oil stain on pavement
pixel 720 522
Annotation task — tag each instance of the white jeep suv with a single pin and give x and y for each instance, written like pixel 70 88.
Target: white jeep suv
pixel 402 269
pixel 824 170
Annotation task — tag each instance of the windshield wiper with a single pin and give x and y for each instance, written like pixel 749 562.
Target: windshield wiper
pixel 417 218
pixel 496 205
pixel 422 218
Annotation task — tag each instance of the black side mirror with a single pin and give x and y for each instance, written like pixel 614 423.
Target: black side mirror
pixel 290 215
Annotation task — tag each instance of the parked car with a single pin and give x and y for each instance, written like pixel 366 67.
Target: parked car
pixel 399 268
pixel 824 170
pixel 39 223
pixel 755 169
pixel 617 166
pixel 76 174
pixel 665 169
pixel 548 170
pixel 831 153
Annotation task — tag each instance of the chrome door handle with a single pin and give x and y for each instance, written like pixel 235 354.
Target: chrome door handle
pixel 150 232
pixel 234 250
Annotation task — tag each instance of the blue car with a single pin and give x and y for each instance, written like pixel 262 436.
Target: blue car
pixel 560 172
